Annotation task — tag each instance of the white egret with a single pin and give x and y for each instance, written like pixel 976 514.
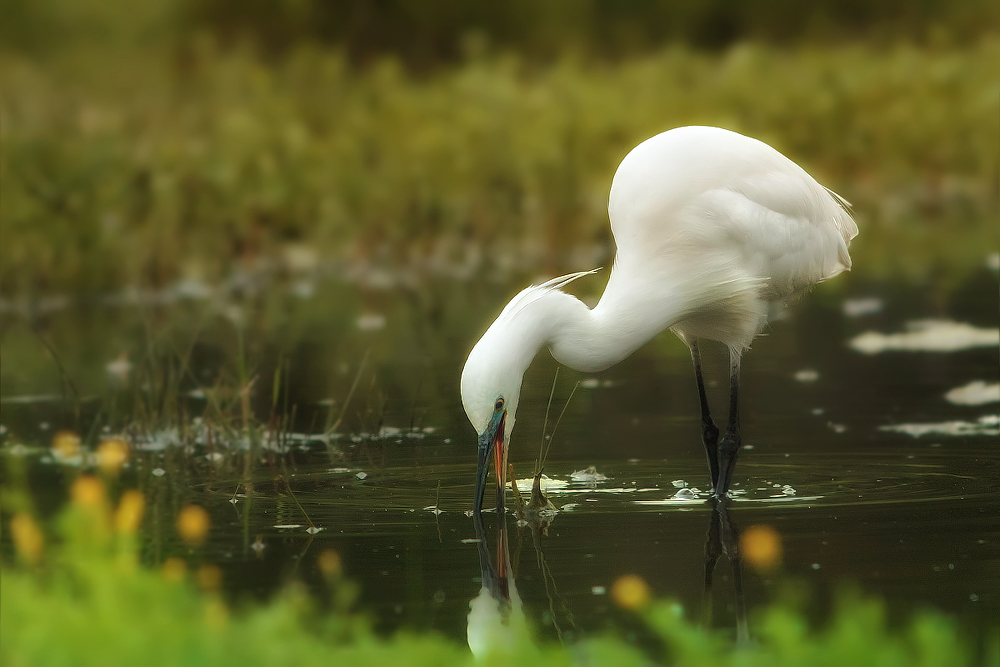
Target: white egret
pixel 715 232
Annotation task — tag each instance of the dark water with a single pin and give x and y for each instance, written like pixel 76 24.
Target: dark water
pixel 858 461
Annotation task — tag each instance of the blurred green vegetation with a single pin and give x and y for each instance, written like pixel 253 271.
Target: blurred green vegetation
pixel 76 593
pixel 435 32
pixel 139 147
pixel 425 34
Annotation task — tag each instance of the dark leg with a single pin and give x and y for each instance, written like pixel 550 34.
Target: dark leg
pixel 730 539
pixel 709 431
pixel 713 549
pixel 729 445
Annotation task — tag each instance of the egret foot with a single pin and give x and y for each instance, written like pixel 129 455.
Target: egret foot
pixel 710 436
pixel 729 448
pixel 729 445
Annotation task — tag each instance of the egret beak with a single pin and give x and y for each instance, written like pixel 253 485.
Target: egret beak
pixel 490 442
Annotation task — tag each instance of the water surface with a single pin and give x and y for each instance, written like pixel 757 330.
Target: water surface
pixel 858 459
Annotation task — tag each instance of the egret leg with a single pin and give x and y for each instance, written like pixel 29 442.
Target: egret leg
pixel 709 431
pixel 724 538
pixel 730 541
pixel 729 445
pixel 713 549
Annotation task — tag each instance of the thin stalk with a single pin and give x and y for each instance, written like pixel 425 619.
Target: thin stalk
pixel 545 425
pixel 558 421
pixel 296 500
pixel 332 428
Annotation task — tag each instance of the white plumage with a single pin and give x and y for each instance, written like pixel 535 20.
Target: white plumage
pixel 715 231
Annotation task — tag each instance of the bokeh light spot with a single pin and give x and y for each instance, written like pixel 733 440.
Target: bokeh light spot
pixel 111 455
pixel 760 546
pixel 193 524
pixel 630 592
pixel 28 539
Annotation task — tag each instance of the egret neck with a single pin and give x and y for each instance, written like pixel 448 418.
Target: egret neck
pixel 582 338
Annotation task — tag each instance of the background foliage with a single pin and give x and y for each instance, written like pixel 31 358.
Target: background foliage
pixel 435 32
pixel 142 146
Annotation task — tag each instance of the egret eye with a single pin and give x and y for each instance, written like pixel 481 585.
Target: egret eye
pixel 498 406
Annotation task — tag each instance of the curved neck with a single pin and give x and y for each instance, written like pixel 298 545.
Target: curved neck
pixel 592 340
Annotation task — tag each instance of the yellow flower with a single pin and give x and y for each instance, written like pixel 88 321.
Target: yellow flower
pixel 65 445
pixel 193 524
pixel 329 562
pixel 87 491
pixel 173 569
pixel 129 513
pixel 111 455
pixel 28 540
pixel 210 578
pixel 760 546
pixel 630 592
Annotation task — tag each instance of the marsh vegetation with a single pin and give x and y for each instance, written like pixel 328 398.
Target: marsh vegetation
pixel 243 256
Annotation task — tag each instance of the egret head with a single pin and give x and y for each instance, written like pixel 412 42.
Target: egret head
pixel 491 379
pixel 491 386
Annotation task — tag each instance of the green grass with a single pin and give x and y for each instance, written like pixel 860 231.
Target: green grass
pixel 85 599
pixel 127 167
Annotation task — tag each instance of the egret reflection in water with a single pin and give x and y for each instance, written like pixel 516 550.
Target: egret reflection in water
pixel 497 617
